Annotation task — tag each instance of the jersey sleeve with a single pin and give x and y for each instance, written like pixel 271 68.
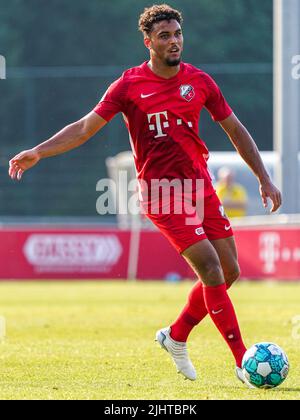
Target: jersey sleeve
pixel 113 100
pixel 215 101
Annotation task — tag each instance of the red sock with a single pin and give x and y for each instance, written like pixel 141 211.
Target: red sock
pixel 223 315
pixel 193 313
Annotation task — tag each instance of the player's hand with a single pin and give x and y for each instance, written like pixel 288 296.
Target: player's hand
pixel 268 190
pixel 22 162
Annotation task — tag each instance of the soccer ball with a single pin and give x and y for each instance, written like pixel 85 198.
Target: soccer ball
pixel 265 365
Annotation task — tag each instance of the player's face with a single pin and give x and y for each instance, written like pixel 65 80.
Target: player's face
pixel 166 42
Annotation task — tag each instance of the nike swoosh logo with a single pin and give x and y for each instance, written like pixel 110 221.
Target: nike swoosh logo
pixel 227 227
pixel 216 312
pixel 147 96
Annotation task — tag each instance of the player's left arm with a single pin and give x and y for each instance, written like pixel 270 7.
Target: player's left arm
pixel 247 148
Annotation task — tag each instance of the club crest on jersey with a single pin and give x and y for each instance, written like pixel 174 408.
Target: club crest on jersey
pixel 187 92
pixel 199 231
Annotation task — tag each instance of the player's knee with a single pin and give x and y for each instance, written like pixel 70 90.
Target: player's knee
pixel 232 276
pixel 212 274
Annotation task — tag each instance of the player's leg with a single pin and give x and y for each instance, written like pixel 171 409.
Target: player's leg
pixel 191 315
pixel 195 309
pixel 207 265
pixel 228 256
pixel 203 258
pixel 181 237
pixel 216 226
pixel 218 230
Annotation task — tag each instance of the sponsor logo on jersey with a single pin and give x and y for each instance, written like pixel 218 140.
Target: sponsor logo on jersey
pixel 187 92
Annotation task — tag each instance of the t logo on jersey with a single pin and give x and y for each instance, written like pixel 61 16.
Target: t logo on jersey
pixel 187 92
pixel 159 125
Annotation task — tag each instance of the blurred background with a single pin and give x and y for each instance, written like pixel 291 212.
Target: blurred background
pixel 62 55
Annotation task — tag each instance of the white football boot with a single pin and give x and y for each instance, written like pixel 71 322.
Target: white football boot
pixel 178 353
pixel 241 377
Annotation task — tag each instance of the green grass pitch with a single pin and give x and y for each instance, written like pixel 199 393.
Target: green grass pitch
pixel 95 340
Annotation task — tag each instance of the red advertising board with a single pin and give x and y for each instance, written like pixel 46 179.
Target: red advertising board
pixel 63 253
pixel 100 253
pixel 269 252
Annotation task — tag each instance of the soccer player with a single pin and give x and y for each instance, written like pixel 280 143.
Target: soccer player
pixel 161 101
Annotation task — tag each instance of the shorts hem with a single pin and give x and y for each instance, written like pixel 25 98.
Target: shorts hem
pixel 216 237
pixel 210 238
pixel 185 247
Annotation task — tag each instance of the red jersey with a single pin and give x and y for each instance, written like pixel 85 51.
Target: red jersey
pixel 162 117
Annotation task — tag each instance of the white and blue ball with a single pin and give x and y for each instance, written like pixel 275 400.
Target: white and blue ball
pixel 265 365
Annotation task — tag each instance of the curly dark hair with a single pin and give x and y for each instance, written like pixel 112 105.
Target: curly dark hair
pixel 157 13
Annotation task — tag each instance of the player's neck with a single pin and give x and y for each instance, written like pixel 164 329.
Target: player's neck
pixel 163 70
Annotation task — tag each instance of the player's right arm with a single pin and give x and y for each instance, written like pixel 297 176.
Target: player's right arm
pixel 70 137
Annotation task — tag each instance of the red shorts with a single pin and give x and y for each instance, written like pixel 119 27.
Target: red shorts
pixel 214 224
